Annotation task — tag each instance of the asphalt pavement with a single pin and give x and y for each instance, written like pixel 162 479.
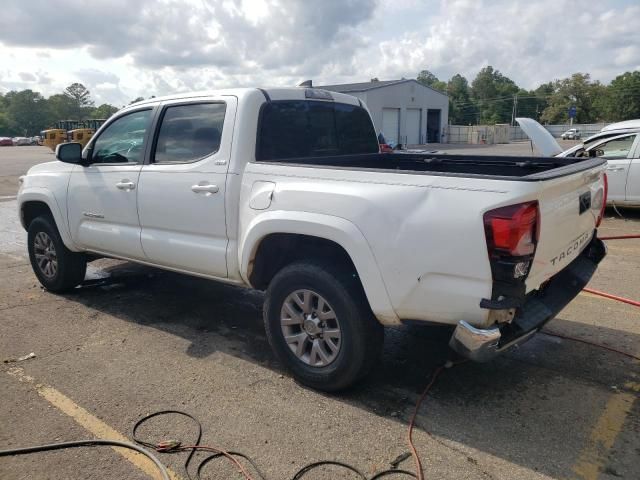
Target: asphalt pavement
pixel 142 340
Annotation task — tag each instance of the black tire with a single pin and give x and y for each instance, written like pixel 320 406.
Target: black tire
pixel 70 266
pixel 361 334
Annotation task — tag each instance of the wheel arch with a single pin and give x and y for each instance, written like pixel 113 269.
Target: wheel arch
pixel 40 201
pixel 267 242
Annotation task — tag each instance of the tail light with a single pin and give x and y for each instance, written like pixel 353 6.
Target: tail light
pixel 512 230
pixel 605 180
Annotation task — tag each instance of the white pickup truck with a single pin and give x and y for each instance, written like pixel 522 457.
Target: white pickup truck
pixel 285 190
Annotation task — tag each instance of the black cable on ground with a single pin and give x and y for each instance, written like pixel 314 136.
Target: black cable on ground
pixel 174 446
pixel 88 443
pixel 158 446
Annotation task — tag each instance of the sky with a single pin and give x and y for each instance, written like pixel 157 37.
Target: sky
pixel 122 49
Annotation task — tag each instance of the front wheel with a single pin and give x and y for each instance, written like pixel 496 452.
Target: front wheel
pixel 320 326
pixel 58 269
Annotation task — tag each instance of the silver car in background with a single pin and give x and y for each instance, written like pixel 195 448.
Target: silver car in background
pixel 618 142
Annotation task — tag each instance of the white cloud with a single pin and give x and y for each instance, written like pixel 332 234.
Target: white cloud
pixel 122 49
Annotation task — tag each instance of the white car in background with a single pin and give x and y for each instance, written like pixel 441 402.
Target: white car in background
pixel 21 141
pixel 571 134
pixel 618 143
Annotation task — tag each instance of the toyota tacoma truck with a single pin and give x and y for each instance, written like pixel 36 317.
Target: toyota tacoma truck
pixel 285 190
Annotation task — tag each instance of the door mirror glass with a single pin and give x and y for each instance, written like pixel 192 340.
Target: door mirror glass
pixel 69 152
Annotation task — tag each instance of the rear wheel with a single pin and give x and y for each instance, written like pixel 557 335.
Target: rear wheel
pixel 320 326
pixel 58 269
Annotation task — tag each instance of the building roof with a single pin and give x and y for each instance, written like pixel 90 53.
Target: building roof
pixel 366 86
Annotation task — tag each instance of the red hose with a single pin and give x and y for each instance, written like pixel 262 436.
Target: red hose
pixel 587 342
pixel 619 237
pixel 612 297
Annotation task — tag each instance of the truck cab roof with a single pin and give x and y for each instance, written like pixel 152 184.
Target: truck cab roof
pixel 269 93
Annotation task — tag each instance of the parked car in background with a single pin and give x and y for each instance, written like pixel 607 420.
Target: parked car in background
pixel 571 134
pixel 618 143
pixel 21 141
pixel 6 142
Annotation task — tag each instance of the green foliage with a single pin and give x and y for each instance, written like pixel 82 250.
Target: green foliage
pixel 460 106
pixel 622 101
pixel 103 111
pixel 493 94
pixel 428 79
pixel 495 98
pixel 579 91
pixel 27 113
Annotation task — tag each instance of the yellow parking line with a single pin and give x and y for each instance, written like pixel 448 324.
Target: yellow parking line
pixel 89 422
pixel 593 456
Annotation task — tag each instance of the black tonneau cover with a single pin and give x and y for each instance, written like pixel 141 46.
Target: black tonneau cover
pixel 482 166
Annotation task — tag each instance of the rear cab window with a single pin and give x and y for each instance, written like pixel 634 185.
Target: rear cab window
pixel 293 129
pixel 189 132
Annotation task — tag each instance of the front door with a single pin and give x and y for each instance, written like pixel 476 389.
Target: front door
pixel 618 151
pixel 102 205
pixel 181 200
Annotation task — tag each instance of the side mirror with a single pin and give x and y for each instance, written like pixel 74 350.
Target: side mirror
pixel 69 153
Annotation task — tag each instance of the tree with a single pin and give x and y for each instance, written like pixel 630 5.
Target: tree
pixel 81 98
pixel 27 111
pixel 428 79
pixel 621 100
pixel 494 95
pixel 461 109
pixel 104 111
pixel 579 91
pixel 61 107
pixel 7 127
pixel 136 100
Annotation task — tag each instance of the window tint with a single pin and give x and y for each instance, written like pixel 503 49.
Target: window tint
pixel 616 148
pixel 123 140
pixel 189 132
pixel 299 128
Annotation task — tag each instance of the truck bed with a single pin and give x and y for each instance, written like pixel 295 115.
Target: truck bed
pixel 480 166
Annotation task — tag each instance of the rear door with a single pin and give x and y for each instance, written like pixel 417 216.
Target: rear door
pixel 633 178
pixel 619 152
pixel 181 200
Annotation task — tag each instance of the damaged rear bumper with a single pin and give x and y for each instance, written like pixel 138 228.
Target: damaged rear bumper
pixel 483 344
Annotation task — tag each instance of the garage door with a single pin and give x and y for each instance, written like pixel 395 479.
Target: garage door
pixel 391 124
pixel 413 126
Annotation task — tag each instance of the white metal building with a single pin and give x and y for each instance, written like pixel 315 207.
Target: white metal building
pixel 405 111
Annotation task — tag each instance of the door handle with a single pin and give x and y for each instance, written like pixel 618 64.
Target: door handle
pixel 204 188
pixel 126 185
pixel 615 169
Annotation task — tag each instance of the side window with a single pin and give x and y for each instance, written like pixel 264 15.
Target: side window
pixel 189 132
pixel 615 148
pixel 123 140
pixel 299 129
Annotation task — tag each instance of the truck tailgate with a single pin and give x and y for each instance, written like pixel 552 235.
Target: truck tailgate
pixel 569 211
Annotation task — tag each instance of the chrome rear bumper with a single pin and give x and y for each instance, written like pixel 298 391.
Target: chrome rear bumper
pixel 482 344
